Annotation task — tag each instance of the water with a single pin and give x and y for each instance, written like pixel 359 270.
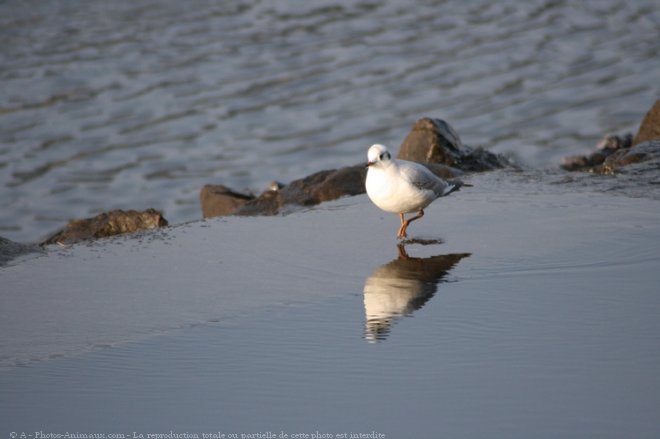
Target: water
pixel 123 104
pixel 522 310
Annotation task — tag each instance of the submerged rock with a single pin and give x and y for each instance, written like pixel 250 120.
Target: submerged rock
pixel 111 223
pixel 435 141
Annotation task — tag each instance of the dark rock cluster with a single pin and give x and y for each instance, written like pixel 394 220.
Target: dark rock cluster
pixel 614 153
pixel 432 142
pixel 313 189
pixel 610 147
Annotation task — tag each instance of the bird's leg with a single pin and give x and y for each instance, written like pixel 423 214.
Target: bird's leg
pixel 402 229
pixel 418 216
pixel 405 222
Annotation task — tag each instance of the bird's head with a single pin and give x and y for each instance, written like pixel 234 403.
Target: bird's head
pixel 378 154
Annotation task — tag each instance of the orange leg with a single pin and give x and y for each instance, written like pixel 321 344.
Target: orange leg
pixel 406 222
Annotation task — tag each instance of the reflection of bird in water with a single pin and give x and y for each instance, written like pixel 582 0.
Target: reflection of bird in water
pixel 401 287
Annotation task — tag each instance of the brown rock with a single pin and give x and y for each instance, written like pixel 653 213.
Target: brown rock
pixel 111 223
pixel 219 200
pixel 609 146
pixel 268 203
pixel 435 141
pixel 650 127
pixel 648 152
pixel 342 182
pixel 313 189
pixel 432 141
pixel 580 162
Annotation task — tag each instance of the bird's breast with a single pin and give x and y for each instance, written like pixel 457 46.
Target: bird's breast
pixel 395 194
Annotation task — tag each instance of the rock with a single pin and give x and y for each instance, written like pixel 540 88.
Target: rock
pixel 435 141
pixel 10 250
pixel 268 203
pixel 609 145
pixel 650 127
pixel 616 152
pixel 341 182
pixel 111 223
pixel 219 200
pixel 579 162
pixel 313 189
pixel 432 141
pixel 621 161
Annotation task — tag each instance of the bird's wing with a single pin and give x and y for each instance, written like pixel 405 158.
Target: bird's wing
pixel 422 178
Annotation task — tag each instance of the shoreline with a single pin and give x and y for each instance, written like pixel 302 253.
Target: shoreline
pixel 432 142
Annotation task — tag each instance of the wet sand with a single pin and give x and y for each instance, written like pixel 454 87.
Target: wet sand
pixel 534 313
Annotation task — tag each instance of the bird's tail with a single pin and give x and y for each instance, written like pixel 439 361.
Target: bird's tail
pixel 453 186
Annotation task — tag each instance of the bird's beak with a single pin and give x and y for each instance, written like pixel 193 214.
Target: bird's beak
pixel 369 164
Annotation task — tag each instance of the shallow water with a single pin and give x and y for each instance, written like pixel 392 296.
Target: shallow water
pixel 139 104
pixel 518 310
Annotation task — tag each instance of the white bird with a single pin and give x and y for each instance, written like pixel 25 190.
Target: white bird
pixel 400 186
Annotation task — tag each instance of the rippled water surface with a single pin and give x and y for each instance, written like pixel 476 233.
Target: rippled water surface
pixel 138 104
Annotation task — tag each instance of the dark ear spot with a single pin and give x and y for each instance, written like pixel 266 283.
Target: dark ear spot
pixel 385 155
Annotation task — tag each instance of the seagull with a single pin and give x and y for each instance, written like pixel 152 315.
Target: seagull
pixel 400 186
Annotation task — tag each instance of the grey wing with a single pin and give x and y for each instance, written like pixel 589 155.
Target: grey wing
pixel 421 177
